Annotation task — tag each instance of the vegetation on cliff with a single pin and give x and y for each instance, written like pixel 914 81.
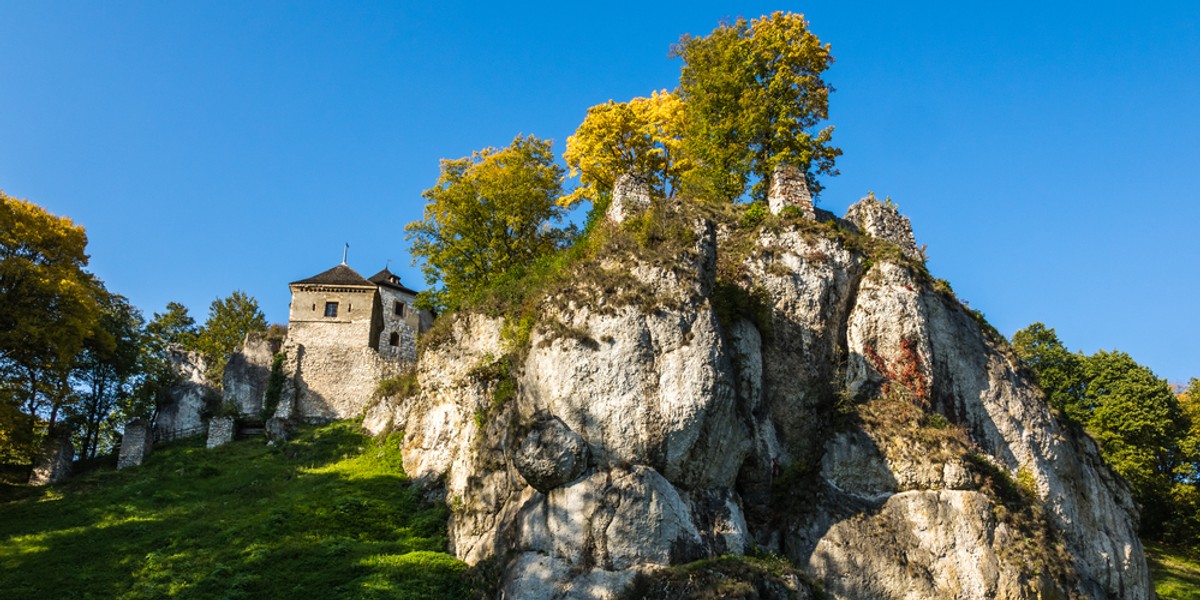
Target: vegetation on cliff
pixel 1145 432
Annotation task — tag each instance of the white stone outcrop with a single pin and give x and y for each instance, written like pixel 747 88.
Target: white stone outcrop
pixel 630 437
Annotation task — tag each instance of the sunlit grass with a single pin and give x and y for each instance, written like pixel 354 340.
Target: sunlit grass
pixel 329 515
pixel 1176 574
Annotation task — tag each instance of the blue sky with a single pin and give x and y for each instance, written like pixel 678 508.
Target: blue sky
pixel 1048 153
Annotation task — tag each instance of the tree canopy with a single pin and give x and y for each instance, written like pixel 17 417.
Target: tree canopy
pixel 1144 431
pixel 642 136
pixel 229 320
pixel 50 311
pixel 754 96
pixel 489 212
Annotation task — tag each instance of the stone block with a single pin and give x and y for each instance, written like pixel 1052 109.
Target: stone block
pixel 789 187
pixel 53 462
pixel 135 444
pixel 220 431
pixel 631 195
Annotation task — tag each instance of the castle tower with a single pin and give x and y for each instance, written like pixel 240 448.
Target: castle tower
pixel 338 307
pixel 402 322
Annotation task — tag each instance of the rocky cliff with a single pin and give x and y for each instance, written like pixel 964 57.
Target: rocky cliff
pixel 701 382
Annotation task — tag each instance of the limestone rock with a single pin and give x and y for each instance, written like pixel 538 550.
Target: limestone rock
pixel 551 455
pixel 247 372
pixel 884 221
pixel 632 437
pixel 190 397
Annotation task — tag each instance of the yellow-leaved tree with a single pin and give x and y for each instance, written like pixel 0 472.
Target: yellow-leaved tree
pixel 643 136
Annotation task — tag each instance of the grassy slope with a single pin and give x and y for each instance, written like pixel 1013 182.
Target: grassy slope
pixel 1176 574
pixel 329 515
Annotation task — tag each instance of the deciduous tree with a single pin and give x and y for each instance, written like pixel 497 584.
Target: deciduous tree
pixel 229 320
pixel 49 311
pixel 642 136
pixel 489 212
pixel 755 95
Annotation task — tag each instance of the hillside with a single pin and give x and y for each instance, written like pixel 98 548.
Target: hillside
pixel 327 515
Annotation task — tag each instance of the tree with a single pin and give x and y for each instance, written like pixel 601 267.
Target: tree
pixel 173 327
pixel 1058 371
pixel 1138 423
pixel 50 309
pixel 643 136
pixel 490 212
pixel 105 371
pixel 229 320
pixel 754 97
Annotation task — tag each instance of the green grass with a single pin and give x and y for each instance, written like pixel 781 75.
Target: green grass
pixel 328 515
pixel 1176 574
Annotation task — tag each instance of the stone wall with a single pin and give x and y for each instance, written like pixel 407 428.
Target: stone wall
pixel 789 187
pixel 405 325
pixel 247 372
pixel 630 196
pixel 220 431
pixel 327 382
pixel 135 444
pixel 53 463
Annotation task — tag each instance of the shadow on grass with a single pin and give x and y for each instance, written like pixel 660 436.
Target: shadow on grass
pixel 326 516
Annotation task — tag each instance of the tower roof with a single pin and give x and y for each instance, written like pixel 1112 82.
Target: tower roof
pixel 388 279
pixel 339 275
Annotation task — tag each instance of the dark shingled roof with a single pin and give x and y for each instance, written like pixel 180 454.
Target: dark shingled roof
pixel 339 275
pixel 388 279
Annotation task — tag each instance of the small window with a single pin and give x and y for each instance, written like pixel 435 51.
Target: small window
pixel 331 309
pixel 399 309
pixel 394 339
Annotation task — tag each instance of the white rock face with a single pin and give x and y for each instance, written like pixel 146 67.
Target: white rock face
pixel 183 415
pixel 674 435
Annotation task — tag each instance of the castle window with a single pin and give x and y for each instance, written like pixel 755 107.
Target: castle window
pixel 394 339
pixel 399 309
pixel 331 309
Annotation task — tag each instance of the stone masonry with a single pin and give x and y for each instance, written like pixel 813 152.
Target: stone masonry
pixel 631 195
pixel 53 463
pixel 220 431
pixel 135 444
pixel 789 188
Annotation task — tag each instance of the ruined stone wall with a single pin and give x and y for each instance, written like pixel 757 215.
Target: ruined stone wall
pixel 220 431
pixel 135 444
pixel 53 463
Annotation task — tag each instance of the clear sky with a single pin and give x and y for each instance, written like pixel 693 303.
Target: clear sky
pixel 1048 153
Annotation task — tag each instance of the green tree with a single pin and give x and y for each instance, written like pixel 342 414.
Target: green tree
pixel 1058 371
pixel 1138 423
pixel 229 320
pixel 49 311
pixel 490 212
pixel 174 326
pixel 105 371
pixel 755 95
